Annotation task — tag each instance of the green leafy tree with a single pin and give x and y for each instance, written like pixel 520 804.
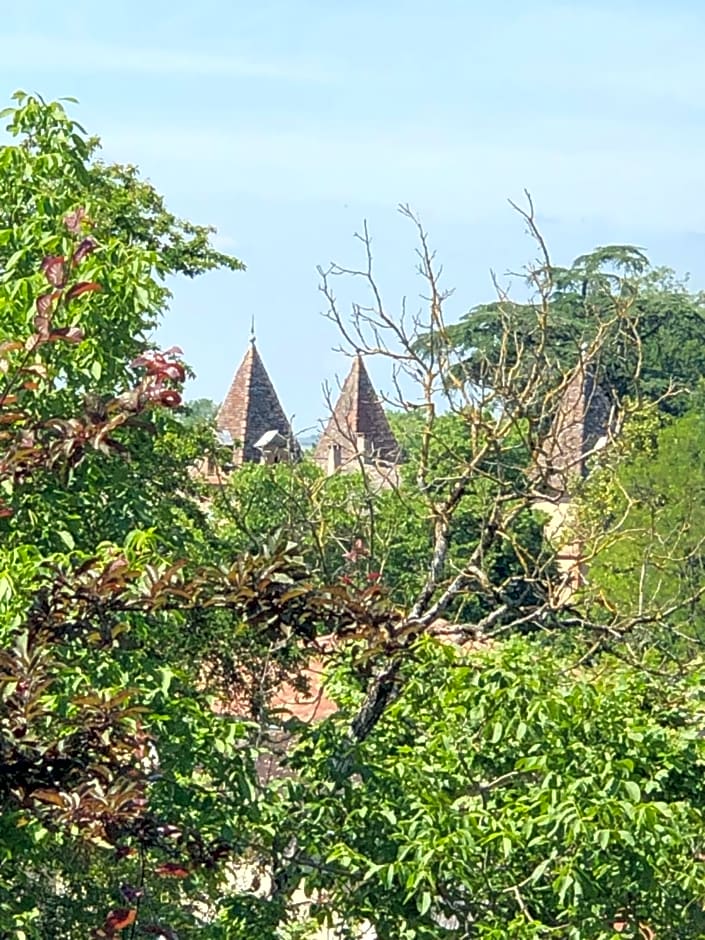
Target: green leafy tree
pixel 84 695
pixel 529 786
pixel 526 797
pixel 524 786
pixel 640 515
pixel 650 350
pixel 128 790
pixel 391 525
pixel 126 244
pixel 123 791
pixel 200 411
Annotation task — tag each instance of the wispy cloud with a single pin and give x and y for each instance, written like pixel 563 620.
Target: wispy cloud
pixel 91 56
pixel 642 177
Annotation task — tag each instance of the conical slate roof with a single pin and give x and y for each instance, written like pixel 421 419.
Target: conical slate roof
pixel 358 421
pixel 581 424
pixel 251 409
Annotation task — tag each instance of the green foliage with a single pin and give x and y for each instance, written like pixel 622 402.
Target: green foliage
pixel 524 797
pixel 123 242
pixel 200 411
pixel 643 511
pixel 115 770
pixel 54 167
pixel 654 327
pixel 520 787
pixel 129 792
pixel 326 516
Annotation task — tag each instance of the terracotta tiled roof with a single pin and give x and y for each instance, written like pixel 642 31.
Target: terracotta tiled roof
pixel 358 416
pixel 251 409
pixel 286 702
pixel 312 705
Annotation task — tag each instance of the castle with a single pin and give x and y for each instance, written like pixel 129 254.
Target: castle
pixel 253 422
pixel 358 437
pixel 583 423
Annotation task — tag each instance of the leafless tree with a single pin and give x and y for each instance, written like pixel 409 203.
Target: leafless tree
pixel 526 420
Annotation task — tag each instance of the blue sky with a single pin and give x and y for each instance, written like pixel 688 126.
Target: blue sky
pixel 286 124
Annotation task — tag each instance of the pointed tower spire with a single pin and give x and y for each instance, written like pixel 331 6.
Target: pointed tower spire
pixel 582 422
pixel 358 428
pixel 252 409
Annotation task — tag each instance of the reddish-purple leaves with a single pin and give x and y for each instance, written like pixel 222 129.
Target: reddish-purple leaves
pixel 131 893
pixel 168 397
pixel 56 272
pixel 46 302
pixel 41 325
pixel 85 248
pixel 161 367
pixel 83 287
pixel 174 371
pixel 172 870
pixel 52 442
pixel 120 918
pixel 54 268
pixel 72 334
pixel 42 320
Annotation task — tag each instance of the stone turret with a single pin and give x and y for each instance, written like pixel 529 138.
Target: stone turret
pixel 581 426
pixel 252 418
pixel 358 431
